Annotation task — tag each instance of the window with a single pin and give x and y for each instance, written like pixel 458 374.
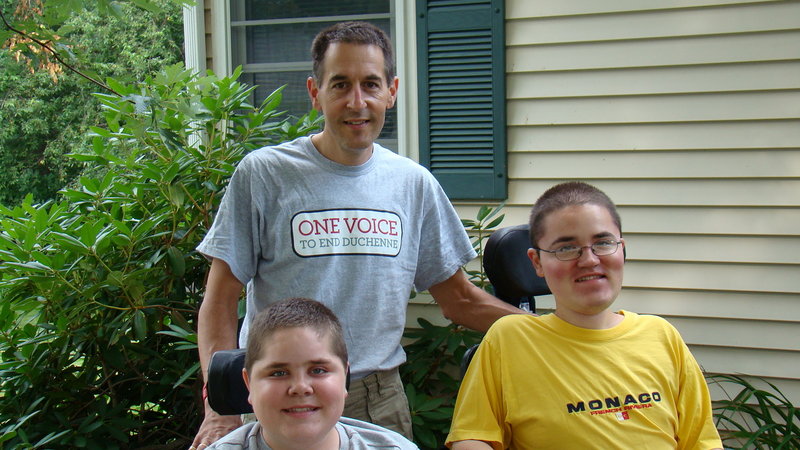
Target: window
pixel 271 40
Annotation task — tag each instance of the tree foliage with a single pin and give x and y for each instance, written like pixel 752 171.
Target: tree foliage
pixel 98 288
pixel 37 32
pixel 43 119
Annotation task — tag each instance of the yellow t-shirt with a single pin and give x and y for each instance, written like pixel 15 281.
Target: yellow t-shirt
pixel 540 382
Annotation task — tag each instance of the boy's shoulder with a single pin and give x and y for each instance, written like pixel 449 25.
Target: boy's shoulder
pixel 248 436
pixel 357 435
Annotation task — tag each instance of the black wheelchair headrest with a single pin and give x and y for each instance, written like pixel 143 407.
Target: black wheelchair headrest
pixel 508 267
pixel 227 393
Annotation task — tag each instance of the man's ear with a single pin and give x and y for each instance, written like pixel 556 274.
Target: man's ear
pixel 313 92
pixel 347 378
pixel 534 256
pixel 393 85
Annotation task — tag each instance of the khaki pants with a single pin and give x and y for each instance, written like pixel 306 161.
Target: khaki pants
pixel 379 398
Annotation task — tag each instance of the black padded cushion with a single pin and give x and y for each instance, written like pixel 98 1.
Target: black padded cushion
pixel 227 393
pixel 508 267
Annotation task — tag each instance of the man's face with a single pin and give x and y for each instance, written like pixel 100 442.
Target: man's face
pixel 297 389
pixel 585 287
pixel 353 95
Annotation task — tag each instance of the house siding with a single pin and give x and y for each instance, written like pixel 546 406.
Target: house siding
pixel 687 113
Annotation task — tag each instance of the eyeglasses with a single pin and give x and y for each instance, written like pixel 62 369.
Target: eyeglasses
pixel 572 252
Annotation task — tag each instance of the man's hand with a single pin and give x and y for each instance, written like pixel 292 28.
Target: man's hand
pixel 213 428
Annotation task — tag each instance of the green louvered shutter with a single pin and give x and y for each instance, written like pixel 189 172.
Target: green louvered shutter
pixel 461 51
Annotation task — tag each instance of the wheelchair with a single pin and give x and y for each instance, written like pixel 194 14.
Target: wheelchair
pixel 510 272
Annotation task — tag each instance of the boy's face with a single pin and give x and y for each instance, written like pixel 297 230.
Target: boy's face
pixel 297 389
pixel 587 286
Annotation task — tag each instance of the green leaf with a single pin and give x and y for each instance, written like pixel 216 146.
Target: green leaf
pixel 32 265
pixel 425 438
pixel 50 438
pixel 140 324
pixel 189 372
pixel 69 243
pixel 177 195
pixel 483 212
pixel 496 221
pixel 116 278
pixel 176 261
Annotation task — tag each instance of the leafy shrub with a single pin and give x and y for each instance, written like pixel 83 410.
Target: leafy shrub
pixel 97 285
pixel 755 418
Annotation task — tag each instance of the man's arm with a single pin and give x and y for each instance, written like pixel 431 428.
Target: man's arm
pixel 216 330
pixel 466 304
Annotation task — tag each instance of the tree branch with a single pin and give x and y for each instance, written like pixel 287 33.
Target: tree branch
pixel 46 46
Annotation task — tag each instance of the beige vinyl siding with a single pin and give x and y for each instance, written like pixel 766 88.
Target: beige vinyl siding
pixel 688 114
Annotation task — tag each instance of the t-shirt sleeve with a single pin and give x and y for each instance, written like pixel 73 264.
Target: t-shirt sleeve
pixel 696 429
pixel 234 237
pixel 356 434
pixel 445 246
pixel 480 409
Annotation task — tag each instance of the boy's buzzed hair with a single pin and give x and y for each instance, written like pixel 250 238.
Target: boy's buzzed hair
pixel 568 194
pixel 294 313
pixel 355 32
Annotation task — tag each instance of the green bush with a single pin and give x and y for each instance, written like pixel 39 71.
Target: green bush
pixel 753 417
pixel 99 288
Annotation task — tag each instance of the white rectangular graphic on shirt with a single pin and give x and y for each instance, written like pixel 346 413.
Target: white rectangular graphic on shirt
pixel 346 232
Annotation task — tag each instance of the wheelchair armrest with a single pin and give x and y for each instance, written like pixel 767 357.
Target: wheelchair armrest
pixel 227 393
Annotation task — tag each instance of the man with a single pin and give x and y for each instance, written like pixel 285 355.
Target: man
pixel 337 216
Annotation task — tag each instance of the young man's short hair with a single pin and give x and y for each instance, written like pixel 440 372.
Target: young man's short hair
pixel 294 313
pixel 568 194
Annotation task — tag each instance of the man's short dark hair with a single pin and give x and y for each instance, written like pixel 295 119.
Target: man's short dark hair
pixel 568 194
pixel 362 33
pixel 294 313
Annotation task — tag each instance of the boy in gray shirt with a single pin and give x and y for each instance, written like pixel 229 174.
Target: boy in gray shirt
pixel 296 370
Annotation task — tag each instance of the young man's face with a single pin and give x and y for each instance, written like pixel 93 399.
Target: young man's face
pixel 586 287
pixel 297 389
pixel 353 94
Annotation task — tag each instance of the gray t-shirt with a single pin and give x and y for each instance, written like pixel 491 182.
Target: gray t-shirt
pixel 353 435
pixel 357 238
